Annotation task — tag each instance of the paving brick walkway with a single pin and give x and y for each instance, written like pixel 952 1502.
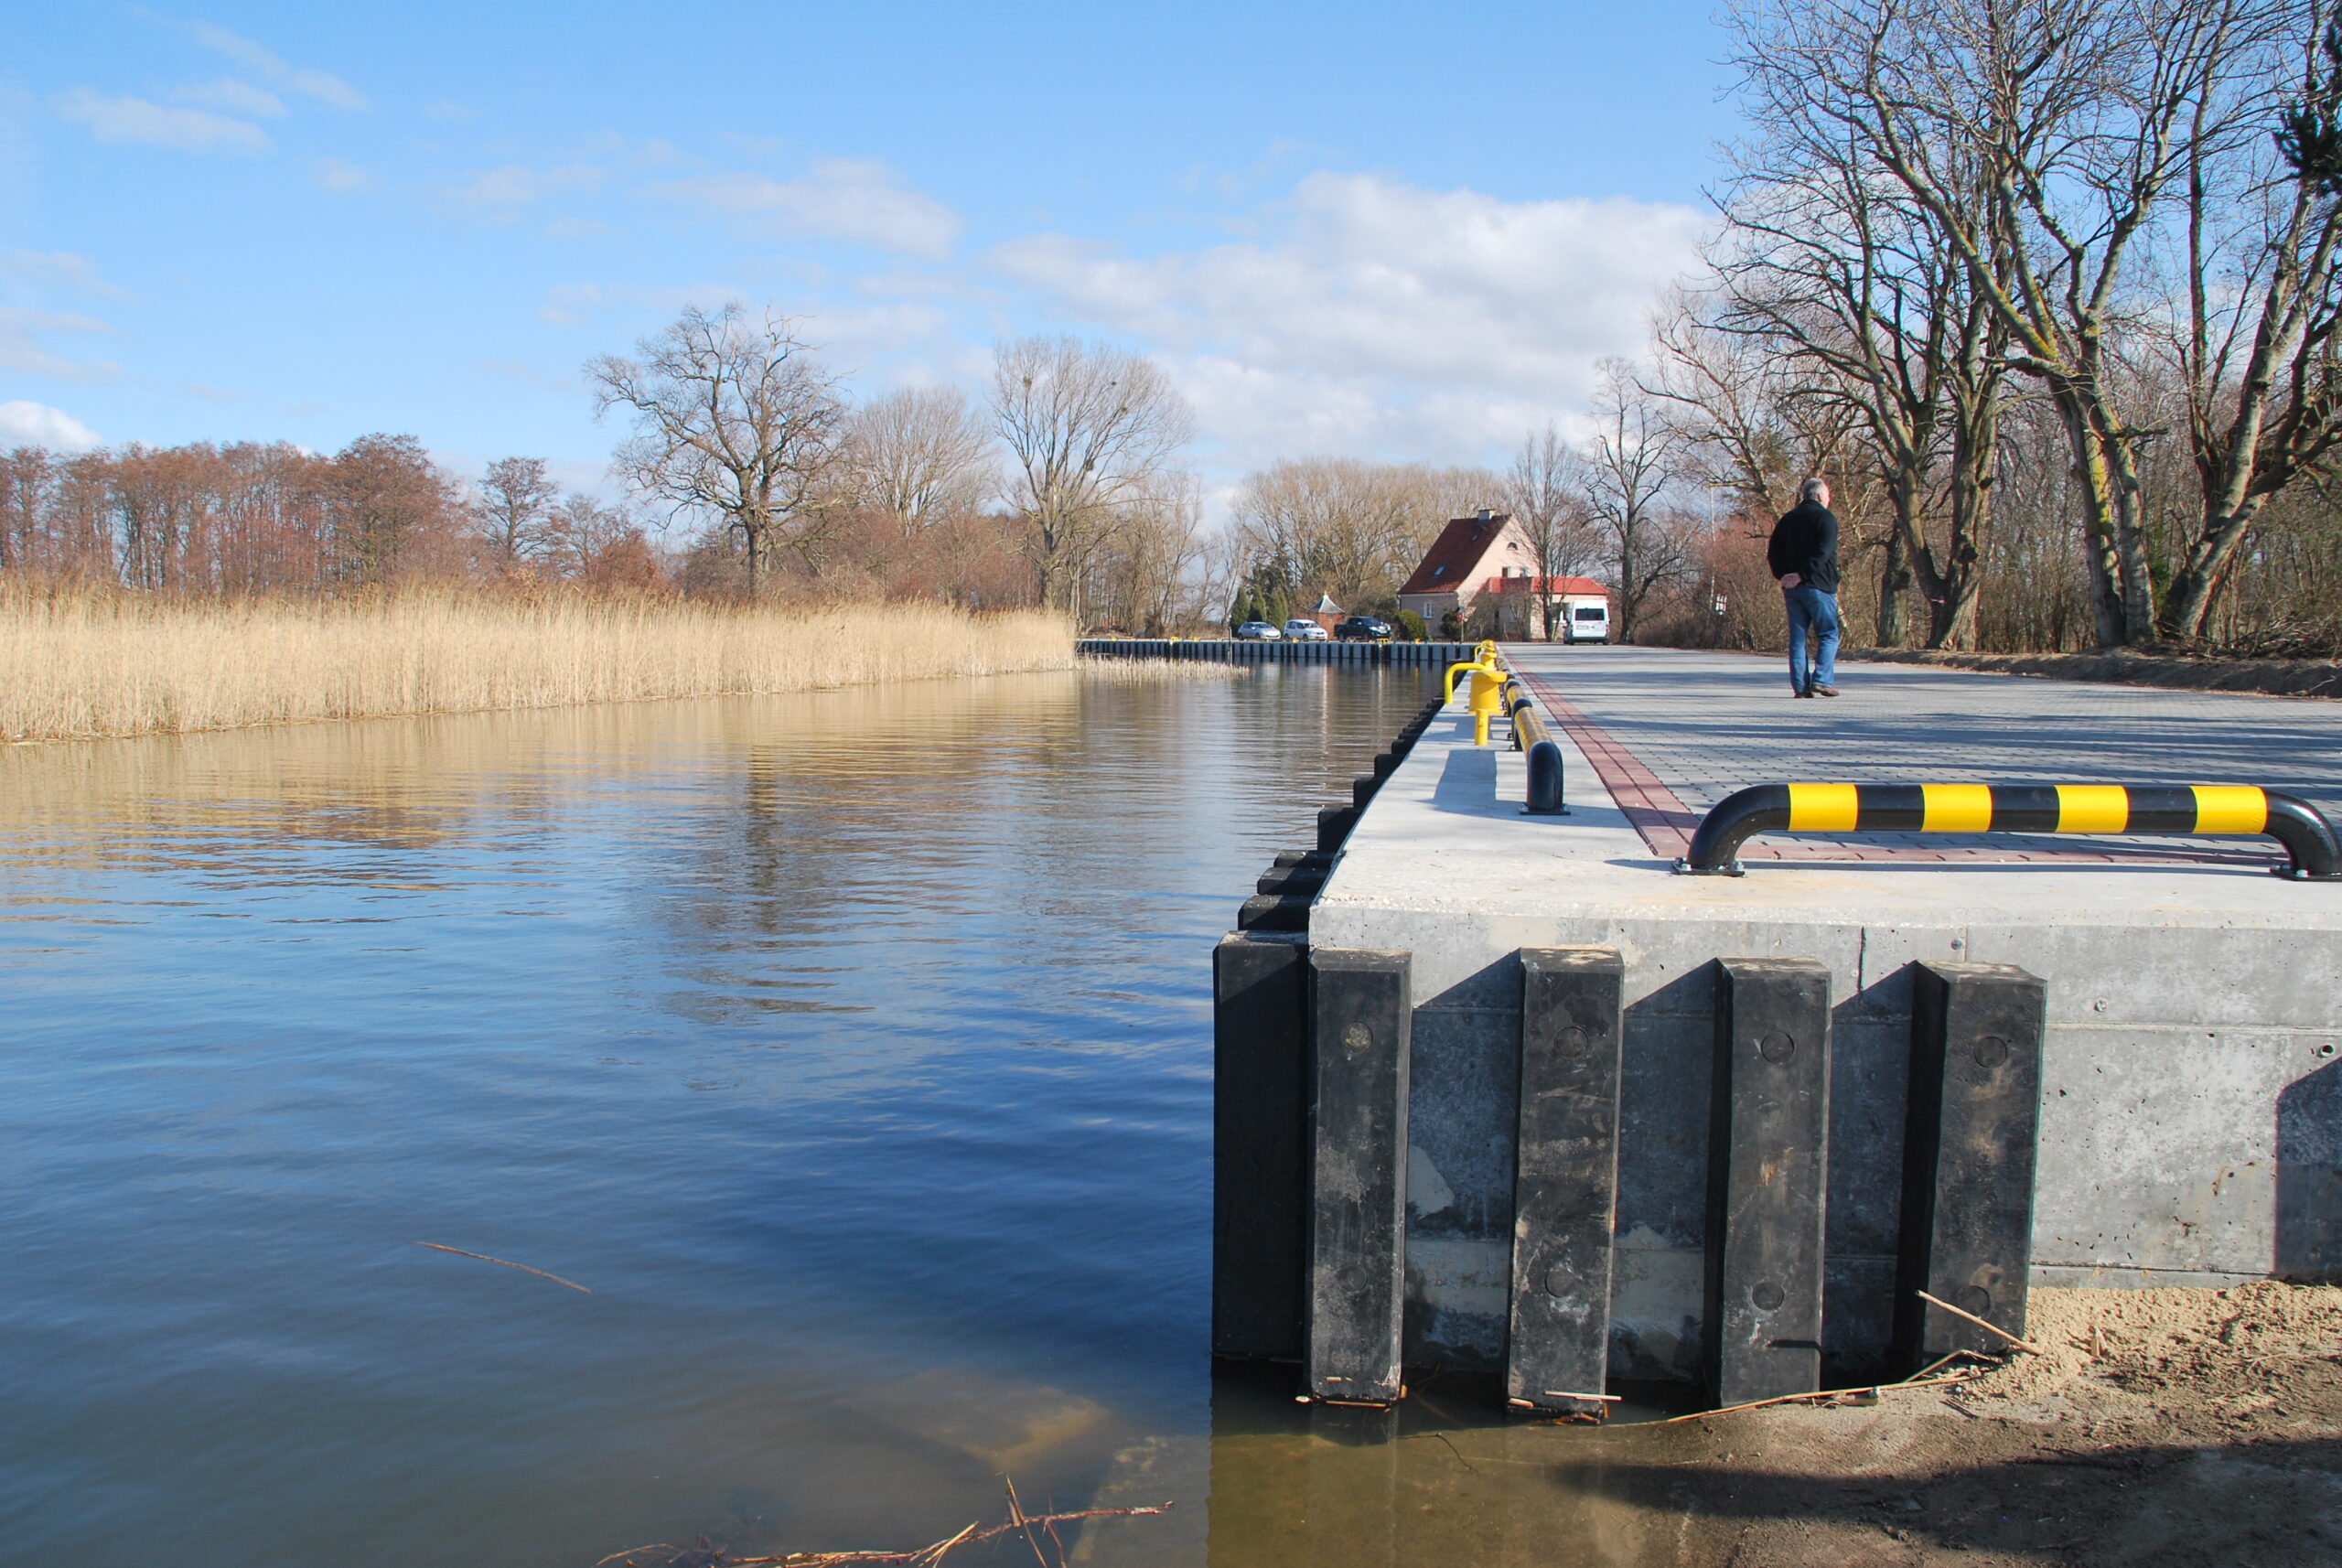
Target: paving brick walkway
pixel 1674 732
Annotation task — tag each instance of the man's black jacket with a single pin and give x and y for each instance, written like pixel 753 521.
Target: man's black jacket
pixel 1806 541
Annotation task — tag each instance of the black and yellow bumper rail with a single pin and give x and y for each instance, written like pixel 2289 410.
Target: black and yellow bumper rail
pixel 1531 734
pixel 2175 809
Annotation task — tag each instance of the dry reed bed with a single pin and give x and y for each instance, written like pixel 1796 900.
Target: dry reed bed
pixel 80 665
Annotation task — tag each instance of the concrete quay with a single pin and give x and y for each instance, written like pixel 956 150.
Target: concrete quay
pixel 2187 1005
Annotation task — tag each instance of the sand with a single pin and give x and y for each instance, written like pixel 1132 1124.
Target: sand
pixel 2164 1426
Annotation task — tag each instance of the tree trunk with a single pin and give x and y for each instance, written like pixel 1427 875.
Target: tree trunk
pixel 1975 457
pixel 1894 579
pixel 2099 547
pixel 2196 588
pixel 2131 546
pixel 1627 580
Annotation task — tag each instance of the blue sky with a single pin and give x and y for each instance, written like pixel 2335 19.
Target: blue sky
pixel 1395 231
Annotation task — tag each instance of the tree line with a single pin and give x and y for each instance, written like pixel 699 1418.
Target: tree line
pixel 747 470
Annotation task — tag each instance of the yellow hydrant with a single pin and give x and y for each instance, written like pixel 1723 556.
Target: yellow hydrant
pixel 1486 697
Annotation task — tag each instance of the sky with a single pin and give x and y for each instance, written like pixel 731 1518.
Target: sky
pixel 1397 232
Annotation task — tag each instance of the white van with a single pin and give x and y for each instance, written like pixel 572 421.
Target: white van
pixel 1585 618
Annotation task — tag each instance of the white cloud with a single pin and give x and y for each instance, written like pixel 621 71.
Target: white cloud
pixel 882 328
pixel 517 185
pixel 232 96
pixel 22 350
pixel 1379 318
pixel 567 385
pixel 309 83
pixel 62 267
pixel 334 174
pixel 133 120
pixel 857 200
pixel 23 424
pixel 575 304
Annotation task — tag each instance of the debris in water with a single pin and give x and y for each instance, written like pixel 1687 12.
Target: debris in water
pixel 1034 1528
pixel 505 1263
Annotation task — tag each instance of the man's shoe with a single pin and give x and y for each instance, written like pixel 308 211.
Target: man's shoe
pixel 1800 694
pixel 1822 692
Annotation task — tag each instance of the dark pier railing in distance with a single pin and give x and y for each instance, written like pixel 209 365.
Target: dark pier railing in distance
pixel 1227 651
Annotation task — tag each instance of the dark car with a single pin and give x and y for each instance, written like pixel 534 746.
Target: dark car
pixel 1362 629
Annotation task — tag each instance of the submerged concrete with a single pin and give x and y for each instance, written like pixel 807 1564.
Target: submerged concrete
pixel 2191 1090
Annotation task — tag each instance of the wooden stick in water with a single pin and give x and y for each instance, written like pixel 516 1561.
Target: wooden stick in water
pixel 505 1263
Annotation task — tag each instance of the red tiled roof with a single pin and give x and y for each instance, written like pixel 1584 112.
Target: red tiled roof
pixel 1532 586
pixel 1454 554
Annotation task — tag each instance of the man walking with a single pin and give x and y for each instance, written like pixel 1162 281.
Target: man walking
pixel 1804 556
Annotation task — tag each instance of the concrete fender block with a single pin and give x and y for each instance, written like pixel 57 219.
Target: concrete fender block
pixel 1360 1024
pixel 1967 1155
pixel 1289 880
pixel 1260 1143
pixel 1334 824
pixel 1274 912
pixel 1565 1177
pixel 1767 1178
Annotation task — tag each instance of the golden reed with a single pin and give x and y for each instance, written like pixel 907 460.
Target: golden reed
pixel 77 664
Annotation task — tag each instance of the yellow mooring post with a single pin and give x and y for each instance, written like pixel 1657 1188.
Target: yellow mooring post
pixel 1486 696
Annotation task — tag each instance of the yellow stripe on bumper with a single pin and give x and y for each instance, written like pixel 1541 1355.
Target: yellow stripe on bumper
pixel 2231 809
pixel 2094 807
pixel 1956 807
pixel 1824 808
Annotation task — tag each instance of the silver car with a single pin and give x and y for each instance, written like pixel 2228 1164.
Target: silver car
pixel 1258 631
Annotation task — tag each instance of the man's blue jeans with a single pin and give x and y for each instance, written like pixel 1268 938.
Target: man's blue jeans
pixel 1810 608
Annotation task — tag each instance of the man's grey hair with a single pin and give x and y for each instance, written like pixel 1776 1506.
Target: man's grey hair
pixel 1813 489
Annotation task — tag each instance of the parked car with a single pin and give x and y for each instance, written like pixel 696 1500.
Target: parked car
pixel 1362 629
pixel 1258 631
pixel 1300 630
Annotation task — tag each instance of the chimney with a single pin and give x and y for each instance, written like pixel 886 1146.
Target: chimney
pixel 1484 515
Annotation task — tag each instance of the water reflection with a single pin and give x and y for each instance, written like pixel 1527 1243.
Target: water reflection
pixel 852 1049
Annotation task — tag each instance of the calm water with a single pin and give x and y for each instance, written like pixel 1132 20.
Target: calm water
pixel 853 1051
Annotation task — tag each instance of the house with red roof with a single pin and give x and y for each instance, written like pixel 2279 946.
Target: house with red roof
pixel 1484 568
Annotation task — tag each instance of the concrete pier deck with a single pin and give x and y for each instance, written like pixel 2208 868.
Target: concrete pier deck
pixel 2191 1097
pixel 1700 725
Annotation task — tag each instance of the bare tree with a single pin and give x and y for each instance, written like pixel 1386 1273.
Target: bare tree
pixel 919 455
pixel 580 530
pixel 1145 576
pixel 2258 353
pixel 394 513
pixel 734 420
pixel 2042 139
pixel 1834 278
pixel 510 507
pixel 1628 467
pixel 1542 491
pixel 1089 428
pixel 1350 528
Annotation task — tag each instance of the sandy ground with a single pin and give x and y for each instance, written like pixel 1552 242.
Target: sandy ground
pixel 2168 1427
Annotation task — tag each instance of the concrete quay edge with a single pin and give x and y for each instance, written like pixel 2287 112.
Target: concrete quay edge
pixel 2191 1124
